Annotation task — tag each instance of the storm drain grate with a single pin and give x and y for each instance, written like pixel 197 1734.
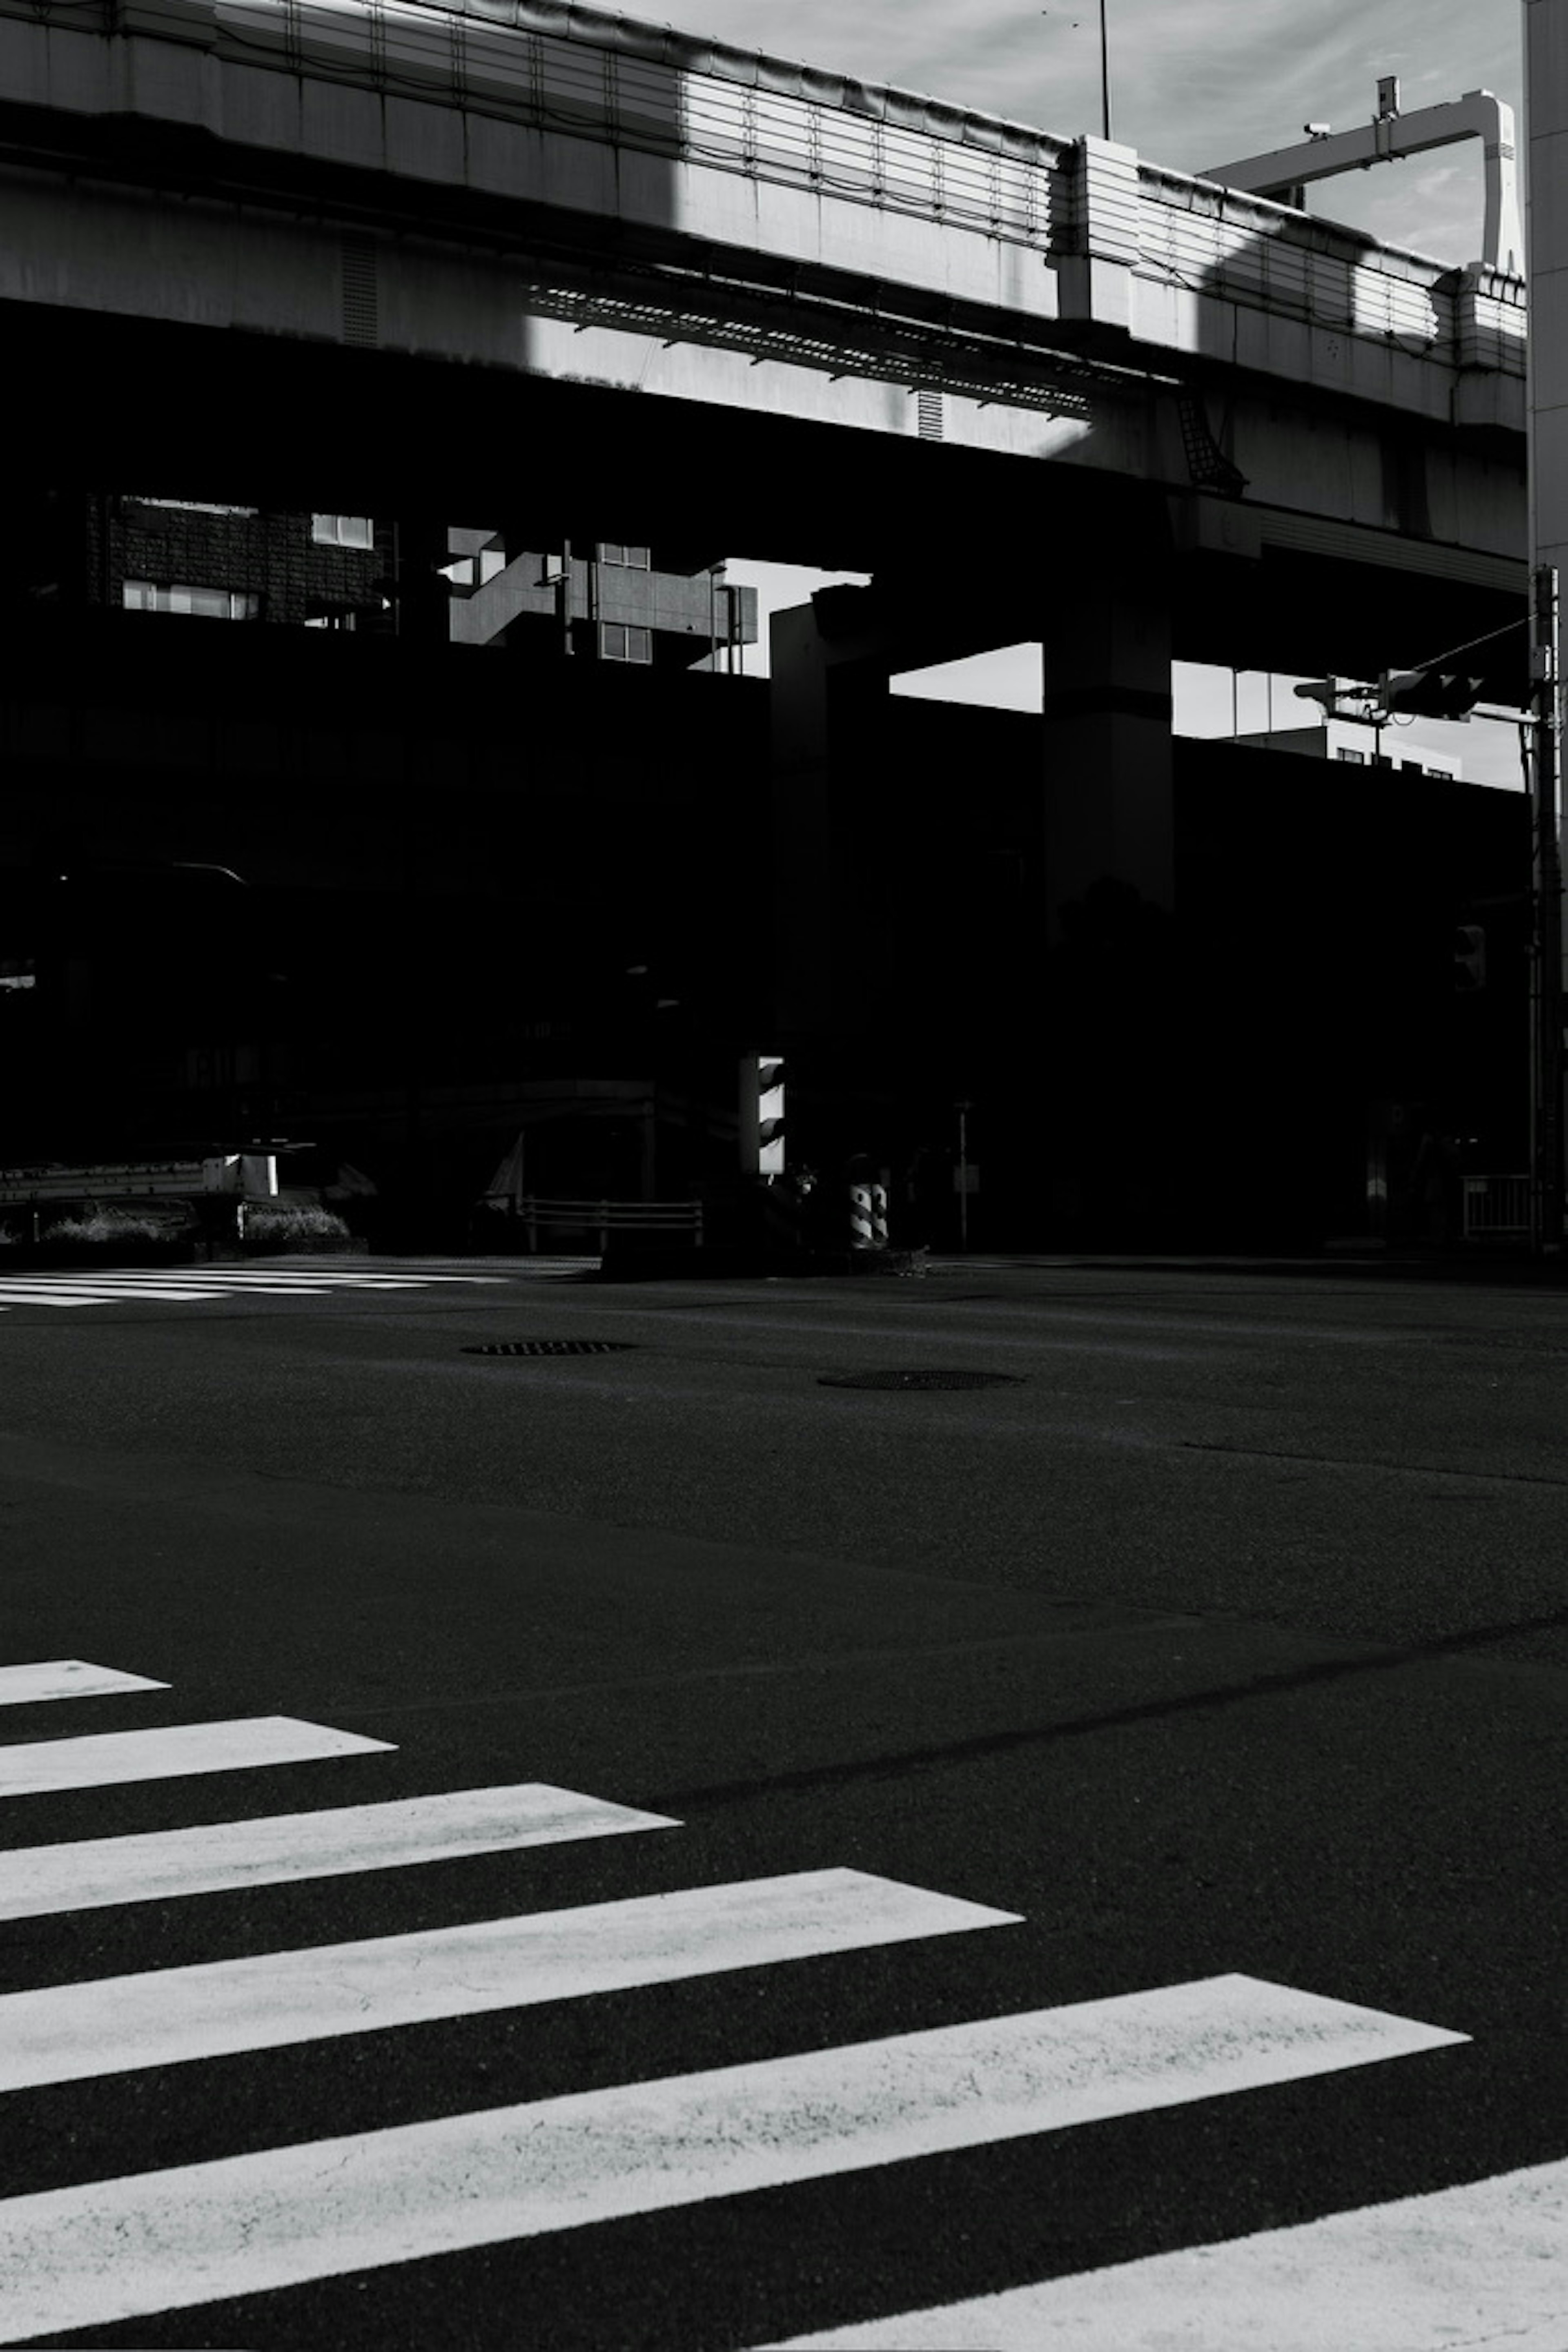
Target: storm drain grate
pixel 918 1380
pixel 549 1347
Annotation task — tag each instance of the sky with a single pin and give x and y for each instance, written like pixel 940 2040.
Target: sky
pixel 1194 84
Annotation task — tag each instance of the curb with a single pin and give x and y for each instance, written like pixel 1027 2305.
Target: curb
pixel 719 1262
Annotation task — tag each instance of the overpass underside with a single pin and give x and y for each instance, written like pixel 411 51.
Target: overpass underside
pixel 971 547
pixel 485 896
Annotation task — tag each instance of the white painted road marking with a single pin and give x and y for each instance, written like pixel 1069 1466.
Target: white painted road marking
pixel 109 1286
pixel 155 1277
pixel 240 1278
pixel 66 1678
pixel 14 1293
pixel 166 2017
pixel 89 1873
pixel 94 1762
pixel 304 1271
pixel 113 2250
pixel 1484 2264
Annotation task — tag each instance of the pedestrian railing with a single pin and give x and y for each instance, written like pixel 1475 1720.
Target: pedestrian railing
pixel 604 1218
pixel 1496 1207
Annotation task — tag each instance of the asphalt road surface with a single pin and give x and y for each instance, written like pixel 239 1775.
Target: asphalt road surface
pixel 655 1849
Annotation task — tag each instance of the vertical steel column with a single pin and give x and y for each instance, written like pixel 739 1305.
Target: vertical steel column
pixel 1546 995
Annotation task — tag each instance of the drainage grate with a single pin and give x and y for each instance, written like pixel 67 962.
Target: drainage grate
pixel 549 1347
pixel 918 1380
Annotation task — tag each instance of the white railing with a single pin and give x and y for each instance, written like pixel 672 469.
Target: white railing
pixel 603 1217
pixel 1496 1207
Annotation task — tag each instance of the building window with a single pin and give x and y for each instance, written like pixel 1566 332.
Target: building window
pixel 620 641
pixel 1359 757
pixel 636 557
pixel 330 616
pixel 208 603
pixel 343 531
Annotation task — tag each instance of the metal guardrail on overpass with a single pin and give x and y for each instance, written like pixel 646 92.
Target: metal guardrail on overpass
pixel 592 76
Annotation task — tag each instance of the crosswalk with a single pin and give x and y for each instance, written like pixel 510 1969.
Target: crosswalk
pixel 111 2251
pixel 160 1284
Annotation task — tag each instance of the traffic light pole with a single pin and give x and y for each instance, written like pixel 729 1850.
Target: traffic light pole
pixel 1547 1186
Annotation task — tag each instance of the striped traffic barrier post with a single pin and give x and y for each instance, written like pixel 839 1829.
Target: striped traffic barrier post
pixel 860 1236
pixel 868 1216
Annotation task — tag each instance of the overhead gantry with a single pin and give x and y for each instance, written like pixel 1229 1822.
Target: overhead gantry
pixel 1284 174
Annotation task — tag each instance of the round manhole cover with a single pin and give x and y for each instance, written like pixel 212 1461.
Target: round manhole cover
pixel 550 1348
pixel 926 1379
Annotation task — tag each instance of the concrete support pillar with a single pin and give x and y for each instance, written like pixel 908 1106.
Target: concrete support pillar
pixel 1107 740
pixel 829 695
pixel 1106 1102
pixel 827 991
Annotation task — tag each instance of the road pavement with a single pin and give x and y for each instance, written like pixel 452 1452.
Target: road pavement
pixel 652 1842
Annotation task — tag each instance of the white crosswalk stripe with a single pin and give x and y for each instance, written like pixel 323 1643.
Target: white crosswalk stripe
pixel 220 1857
pixel 108 2251
pixel 1482 2264
pixel 98 1758
pixel 85 2257
pixel 66 1678
pixel 166 2017
pixel 113 1285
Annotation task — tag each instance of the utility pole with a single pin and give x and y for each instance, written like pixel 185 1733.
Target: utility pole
pixel 1546 1141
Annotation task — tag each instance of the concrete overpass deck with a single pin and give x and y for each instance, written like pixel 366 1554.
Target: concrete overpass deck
pixel 930 245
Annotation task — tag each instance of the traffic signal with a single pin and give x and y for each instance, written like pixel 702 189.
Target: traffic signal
pixel 762 1108
pixel 1469 958
pixel 1429 693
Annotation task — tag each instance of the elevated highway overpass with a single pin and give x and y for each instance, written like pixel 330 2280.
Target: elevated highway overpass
pixel 470 208
pixel 441 259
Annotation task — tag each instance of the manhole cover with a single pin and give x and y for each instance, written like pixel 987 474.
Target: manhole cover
pixel 549 1347
pixel 918 1380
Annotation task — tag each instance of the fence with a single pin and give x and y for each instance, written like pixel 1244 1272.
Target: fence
pixel 1497 1208
pixel 607 1217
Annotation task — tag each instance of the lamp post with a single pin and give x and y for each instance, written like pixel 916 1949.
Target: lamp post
pixel 1104 71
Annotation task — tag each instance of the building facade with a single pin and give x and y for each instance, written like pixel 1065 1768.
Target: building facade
pixel 589 599
pixel 1356 744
